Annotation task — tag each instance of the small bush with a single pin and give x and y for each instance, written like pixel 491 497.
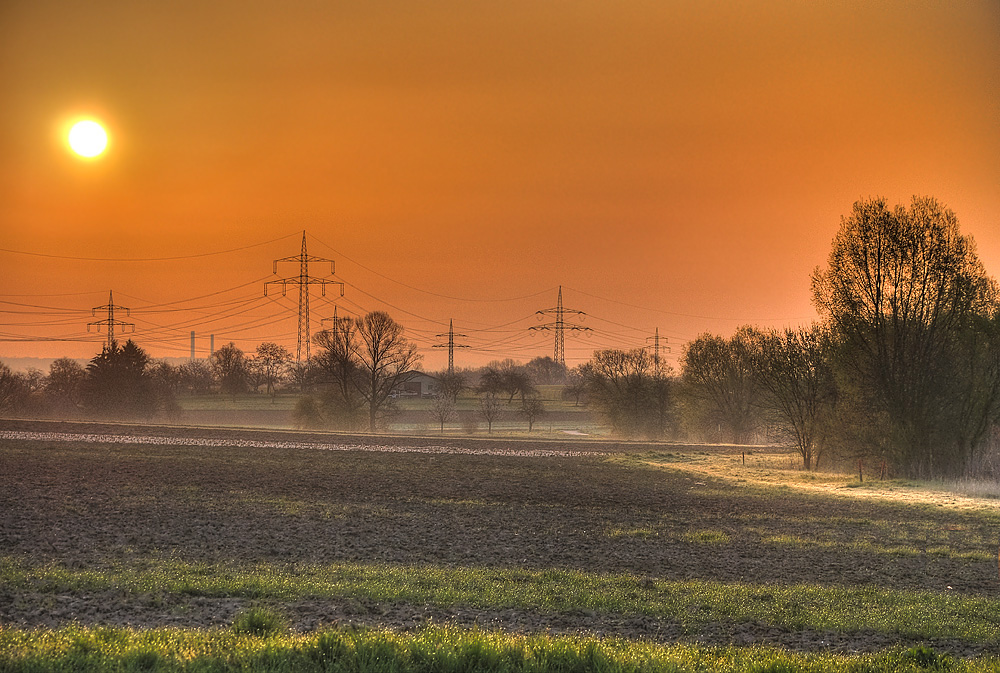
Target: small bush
pixel 306 414
pixel 142 661
pixel 259 622
pixel 927 659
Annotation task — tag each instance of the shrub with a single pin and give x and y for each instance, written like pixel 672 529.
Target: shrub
pixel 259 622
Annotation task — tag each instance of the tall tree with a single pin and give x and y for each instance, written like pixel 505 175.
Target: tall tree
pixel 14 390
pixel 794 373
pixel 720 375
pixel 118 383
pixel 901 288
pixel 386 360
pixel 229 365
pixel 544 371
pixel 337 363
pixel 365 361
pixel 273 362
pixel 627 388
pixel 64 385
pixel 196 377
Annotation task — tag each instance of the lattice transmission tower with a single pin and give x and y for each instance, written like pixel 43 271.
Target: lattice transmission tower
pixel 110 322
pixel 451 345
pixel 560 326
pixel 303 280
pixel 657 367
pixel 333 320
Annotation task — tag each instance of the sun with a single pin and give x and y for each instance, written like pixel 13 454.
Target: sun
pixel 88 138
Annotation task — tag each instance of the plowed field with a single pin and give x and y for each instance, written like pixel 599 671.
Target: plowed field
pixel 83 506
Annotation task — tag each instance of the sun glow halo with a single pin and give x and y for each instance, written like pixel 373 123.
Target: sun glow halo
pixel 88 138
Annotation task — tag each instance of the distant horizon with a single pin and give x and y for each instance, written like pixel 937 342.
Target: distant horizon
pixel 674 166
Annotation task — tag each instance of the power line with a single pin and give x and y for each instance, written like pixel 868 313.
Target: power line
pixel 428 292
pixel 144 259
pixel 683 315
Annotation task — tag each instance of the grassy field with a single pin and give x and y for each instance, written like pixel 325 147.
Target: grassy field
pixel 152 557
pixel 413 415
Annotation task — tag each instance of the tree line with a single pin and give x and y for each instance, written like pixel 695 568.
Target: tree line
pixel 903 366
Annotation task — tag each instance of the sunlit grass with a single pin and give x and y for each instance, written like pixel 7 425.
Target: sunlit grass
pixel 920 614
pixel 945 551
pixel 449 650
pixel 780 469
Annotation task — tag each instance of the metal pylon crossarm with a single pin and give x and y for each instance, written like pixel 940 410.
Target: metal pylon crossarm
pixel 303 280
pixel 111 322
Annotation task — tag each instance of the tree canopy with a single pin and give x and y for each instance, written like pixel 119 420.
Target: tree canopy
pixel 906 299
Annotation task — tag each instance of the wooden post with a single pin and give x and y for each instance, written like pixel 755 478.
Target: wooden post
pixel 861 475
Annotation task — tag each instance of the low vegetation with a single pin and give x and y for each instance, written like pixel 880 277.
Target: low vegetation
pixel 699 560
pixel 430 649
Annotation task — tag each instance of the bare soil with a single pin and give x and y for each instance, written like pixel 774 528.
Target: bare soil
pixel 99 505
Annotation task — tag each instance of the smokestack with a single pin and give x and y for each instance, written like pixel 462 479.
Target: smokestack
pixel 192 344
pixel 211 346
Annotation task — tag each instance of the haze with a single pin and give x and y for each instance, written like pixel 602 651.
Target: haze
pixel 680 166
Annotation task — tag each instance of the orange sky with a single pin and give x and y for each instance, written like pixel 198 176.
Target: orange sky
pixel 674 165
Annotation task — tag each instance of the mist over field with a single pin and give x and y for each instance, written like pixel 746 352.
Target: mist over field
pixel 499 337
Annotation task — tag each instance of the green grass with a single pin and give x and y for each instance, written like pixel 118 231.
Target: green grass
pixel 915 614
pixel 243 402
pixel 261 622
pixel 448 650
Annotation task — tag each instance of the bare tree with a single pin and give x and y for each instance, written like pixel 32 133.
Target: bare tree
pixel 386 360
pixel 165 376
pixel 794 372
pixel 230 368
pixel 303 374
pixel 576 386
pixel 492 409
pixel 720 375
pixel 254 374
pixel 272 361
pixel 532 408
pixel 545 371
pixel 337 364
pixel 64 385
pixel 442 410
pixel 508 377
pixel 628 390
pixel 451 384
pixel 365 361
pixel 14 390
pixel 196 376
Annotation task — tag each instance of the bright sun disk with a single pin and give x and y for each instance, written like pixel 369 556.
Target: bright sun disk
pixel 88 138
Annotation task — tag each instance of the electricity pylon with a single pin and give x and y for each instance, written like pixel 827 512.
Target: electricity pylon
pixel 110 321
pixel 451 345
pixel 334 320
pixel 560 326
pixel 303 280
pixel 656 350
